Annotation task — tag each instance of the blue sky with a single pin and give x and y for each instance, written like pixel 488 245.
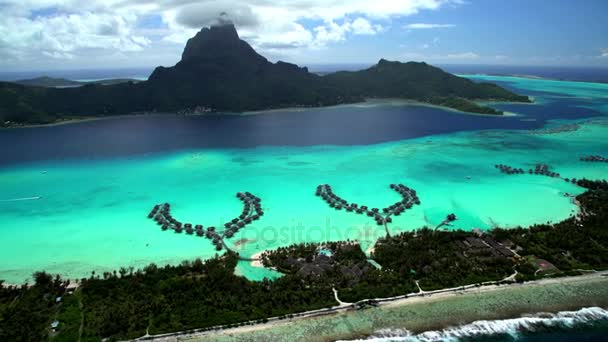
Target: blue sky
pixel 71 34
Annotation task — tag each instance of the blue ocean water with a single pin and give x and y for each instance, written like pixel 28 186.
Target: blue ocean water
pixel 73 193
pixel 79 74
pixel 587 324
pixel 584 74
pixel 342 125
pixel 97 179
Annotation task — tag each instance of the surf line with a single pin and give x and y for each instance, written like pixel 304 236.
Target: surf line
pixel 22 199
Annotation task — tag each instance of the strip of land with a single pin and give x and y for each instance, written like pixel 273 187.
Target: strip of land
pixel 423 311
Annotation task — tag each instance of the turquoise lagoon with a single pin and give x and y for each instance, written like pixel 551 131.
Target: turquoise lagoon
pixel 91 214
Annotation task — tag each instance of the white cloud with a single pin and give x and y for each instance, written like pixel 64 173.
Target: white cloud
pixel 332 32
pixel 425 26
pixel 439 57
pixel 62 36
pixel 36 29
pixel 464 55
pixel 604 53
pixel 58 55
pixel 363 26
pixel 198 15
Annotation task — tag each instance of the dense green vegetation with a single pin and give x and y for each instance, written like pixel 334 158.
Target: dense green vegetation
pixel 128 303
pixel 198 294
pixel 571 245
pixel 26 313
pixel 220 72
pixel 46 81
pixel 435 260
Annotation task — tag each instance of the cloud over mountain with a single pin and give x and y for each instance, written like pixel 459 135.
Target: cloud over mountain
pixel 71 28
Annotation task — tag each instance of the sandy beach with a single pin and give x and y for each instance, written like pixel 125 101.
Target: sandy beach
pixel 257 262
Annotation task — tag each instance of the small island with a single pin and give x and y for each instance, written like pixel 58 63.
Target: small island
pixel 222 73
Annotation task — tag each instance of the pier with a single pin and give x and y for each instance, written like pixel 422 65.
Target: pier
pixel 381 216
pixel 543 169
pixel 252 211
pixel 506 169
pixel 596 159
pixel 539 169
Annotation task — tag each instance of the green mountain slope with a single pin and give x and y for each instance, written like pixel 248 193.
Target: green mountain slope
pixel 223 73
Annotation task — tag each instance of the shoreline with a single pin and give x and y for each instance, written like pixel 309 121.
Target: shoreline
pixel 368 102
pixel 565 293
pixel 530 77
pixel 256 261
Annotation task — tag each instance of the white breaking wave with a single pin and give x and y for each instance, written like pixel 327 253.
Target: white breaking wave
pixel 511 327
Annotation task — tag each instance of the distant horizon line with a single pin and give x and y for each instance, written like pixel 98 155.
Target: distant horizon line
pixel 317 64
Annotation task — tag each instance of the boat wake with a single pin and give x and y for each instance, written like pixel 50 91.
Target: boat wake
pixel 22 199
pixel 513 328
